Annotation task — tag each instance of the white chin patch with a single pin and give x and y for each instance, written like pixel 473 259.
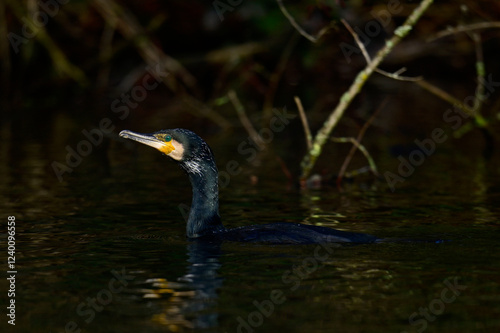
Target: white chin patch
pixel 178 153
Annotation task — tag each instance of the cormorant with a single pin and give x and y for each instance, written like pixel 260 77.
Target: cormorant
pixel 194 155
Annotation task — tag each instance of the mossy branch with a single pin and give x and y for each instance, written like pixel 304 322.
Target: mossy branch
pixel 475 111
pixel 321 138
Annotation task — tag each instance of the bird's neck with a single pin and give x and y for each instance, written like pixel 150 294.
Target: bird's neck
pixel 204 218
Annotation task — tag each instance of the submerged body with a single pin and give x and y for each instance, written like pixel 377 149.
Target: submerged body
pixel 204 222
pixel 290 233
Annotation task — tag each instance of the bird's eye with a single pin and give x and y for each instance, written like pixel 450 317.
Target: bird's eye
pixel 168 138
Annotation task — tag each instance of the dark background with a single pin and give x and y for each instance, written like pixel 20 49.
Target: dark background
pixel 87 54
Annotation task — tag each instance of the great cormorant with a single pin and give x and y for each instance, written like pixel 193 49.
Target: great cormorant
pixel 196 158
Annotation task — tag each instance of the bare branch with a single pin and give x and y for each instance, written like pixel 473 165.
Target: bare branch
pixel 359 138
pixel 358 145
pixel 368 60
pixel 444 96
pixel 305 123
pixel 480 72
pixel 247 124
pixel 275 78
pixel 358 41
pixel 396 76
pixel 463 28
pixel 479 94
pixel 294 24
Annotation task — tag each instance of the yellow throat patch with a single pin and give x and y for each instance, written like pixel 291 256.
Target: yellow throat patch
pixel 167 148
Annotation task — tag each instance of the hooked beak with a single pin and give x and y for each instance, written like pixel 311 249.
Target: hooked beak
pixel 149 140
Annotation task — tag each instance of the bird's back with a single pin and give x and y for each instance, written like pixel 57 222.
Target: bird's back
pixel 294 233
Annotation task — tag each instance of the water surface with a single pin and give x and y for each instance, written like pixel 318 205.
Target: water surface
pixel 105 250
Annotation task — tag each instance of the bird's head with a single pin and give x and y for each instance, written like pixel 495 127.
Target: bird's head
pixel 181 145
pixel 196 158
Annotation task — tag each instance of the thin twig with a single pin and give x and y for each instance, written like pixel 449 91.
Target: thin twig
pixel 368 60
pixel 285 169
pixel 445 96
pixel 455 102
pixel 276 77
pixel 305 123
pixel 480 73
pixel 357 172
pixel 479 94
pixel 357 40
pixel 396 76
pixel 400 71
pixel 359 138
pixel 294 24
pixel 358 145
pixel 247 124
pixel 463 28
pixel 321 138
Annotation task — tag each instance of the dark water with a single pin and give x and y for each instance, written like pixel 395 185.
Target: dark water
pixel 105 250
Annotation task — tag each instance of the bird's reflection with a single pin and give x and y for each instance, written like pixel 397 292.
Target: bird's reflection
pixel 203 277
pixel 191 300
